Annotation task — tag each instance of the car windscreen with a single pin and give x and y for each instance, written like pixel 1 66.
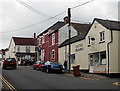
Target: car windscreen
pixel 55 63
pixel 10 59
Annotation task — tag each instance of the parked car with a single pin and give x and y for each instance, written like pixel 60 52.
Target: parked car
pixel 10 63
pixel 52 67
pixel 38 65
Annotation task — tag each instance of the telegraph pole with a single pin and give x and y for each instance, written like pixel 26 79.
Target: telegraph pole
pixel 69 29
pixel 67 19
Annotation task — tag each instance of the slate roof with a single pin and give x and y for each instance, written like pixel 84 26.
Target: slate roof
pixel 111 25
pixel 82 32
pixel 54 27
pixel 24 41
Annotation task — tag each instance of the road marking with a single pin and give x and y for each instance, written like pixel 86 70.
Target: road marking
pixel 117 83
pixel 87 78
pixel 68 74
pixel 7 83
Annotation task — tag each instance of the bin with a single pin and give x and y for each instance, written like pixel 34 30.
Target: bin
pixel 76 70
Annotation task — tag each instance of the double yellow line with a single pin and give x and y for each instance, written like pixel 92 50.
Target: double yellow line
pixel 7 83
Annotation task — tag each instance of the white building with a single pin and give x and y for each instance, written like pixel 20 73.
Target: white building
pixel 21 48
pixel 96 49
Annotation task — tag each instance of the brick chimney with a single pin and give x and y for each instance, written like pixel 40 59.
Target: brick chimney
pixel 35 35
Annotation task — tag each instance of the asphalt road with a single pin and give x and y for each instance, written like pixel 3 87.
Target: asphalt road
pixel 24 77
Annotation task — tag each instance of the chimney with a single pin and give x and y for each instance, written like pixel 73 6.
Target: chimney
pixel 35 35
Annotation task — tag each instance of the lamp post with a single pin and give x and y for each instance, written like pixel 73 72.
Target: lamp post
pixel 67 19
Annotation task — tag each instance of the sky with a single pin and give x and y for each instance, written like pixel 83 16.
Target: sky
pixel 16 19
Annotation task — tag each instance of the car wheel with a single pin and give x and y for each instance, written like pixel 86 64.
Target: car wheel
pixel 34 68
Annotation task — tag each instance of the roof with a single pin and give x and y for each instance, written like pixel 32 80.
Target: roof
pixel 77 26
pixel 82 32
pixel 54 27
pixel 109 24
pixel 24 41
pixel 84 29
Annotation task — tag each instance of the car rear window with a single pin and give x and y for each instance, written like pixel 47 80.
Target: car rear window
pixel 11 59
pixel 56 63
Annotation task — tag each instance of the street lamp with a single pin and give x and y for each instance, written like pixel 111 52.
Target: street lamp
pixel 67 19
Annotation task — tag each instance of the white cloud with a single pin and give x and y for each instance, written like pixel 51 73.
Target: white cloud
pixel 15 15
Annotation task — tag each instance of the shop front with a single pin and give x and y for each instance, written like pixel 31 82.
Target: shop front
pixel 98 62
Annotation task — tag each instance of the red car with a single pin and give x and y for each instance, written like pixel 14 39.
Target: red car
pixel 10 63
pixel 38 65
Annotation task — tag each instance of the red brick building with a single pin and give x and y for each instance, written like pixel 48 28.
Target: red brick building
pixel 51 38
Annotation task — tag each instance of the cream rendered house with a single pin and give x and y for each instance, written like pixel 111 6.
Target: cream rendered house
pixel 21 48
pixel 98 50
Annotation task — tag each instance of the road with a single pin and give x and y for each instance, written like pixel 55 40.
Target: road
pixel 24 77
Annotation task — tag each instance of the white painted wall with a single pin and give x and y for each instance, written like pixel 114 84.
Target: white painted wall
pixel 63 33
pixel 82 57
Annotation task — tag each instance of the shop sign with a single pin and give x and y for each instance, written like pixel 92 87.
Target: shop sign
pixel 79 47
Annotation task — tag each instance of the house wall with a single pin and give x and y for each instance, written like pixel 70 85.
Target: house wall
pixel 11 52
pixel 82 57
pixel 23 48
pixel 114 53
pixel 63 33
pixel 80 51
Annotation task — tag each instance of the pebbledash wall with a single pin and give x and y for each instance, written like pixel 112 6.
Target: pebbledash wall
pixel 98 51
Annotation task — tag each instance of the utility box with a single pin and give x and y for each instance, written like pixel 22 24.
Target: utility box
pixel 76 70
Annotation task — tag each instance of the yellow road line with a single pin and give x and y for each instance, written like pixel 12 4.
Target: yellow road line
pixel 87 78
pixel 8 84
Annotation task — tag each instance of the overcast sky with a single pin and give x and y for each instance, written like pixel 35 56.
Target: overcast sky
pixel 14 17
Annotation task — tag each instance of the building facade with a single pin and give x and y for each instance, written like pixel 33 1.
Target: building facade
pixel 97 51
pixel 50 39
pixel 21 49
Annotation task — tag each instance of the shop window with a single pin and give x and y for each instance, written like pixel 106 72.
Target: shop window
pixel 53 39
pixel 72 58
pixel 102 37
pixel 103 58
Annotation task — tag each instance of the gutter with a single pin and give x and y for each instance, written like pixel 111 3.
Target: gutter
pixel 109 51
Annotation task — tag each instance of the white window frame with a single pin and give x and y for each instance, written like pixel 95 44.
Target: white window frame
pixel 102 36
pixel 53 55
pixel 53 38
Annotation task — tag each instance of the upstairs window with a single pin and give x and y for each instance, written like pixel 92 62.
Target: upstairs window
pixel 27 49
pixel 102 36
pixel 53 39
pixel 18 48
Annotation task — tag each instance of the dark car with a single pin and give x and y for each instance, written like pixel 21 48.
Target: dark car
pixel 10 63
pixel 38 65
pixel 52 67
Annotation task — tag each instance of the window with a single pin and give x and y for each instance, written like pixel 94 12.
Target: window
pixel 52 55
pixel 53 39
pixel 18 48
pixel 89 41
pixel 72 58
pixel 42 40
pixel 102 36
pixel 27 49
pixel 103 58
